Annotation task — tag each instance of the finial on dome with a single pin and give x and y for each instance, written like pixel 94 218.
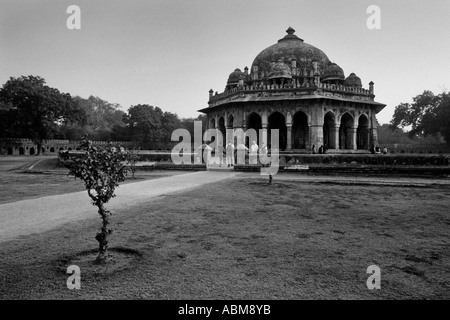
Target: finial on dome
pixel 290 35
pixel 290 31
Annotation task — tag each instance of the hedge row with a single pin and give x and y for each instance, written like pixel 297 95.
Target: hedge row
pixel 362 159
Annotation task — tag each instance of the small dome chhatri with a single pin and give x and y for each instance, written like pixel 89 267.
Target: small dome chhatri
pixel 353 81
pixel 333 72
pixel 280 70
pixel 235 76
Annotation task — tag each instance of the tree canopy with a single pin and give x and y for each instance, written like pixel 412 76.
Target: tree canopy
pixel 427 115
pixel 104 120
pixel 31 109
pixel 34 110
pixel 150 127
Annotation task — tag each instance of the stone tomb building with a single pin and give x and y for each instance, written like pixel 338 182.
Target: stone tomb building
pixel 294 87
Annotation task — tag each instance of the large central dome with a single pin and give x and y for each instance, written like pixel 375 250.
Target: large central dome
pixel 288 48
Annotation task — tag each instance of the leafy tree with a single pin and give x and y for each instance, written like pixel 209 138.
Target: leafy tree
pixel 101 169
pixel 7 114
pixel 144 124
pixel 170 122
pixel 188 124
pixel 36 110
pixel 150 127
pixel 443 117
pixel 428 115
pixel 104 119
pixel 132 158
pixel 387 134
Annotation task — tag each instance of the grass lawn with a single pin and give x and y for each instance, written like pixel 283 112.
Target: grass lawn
pixel 244 239
pixel 20 186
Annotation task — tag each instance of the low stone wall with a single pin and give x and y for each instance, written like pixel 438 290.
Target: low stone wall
pixel 367 159
pixel 27 147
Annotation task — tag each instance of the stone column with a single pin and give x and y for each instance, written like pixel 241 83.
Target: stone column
pixel 373 137
pixel 263 138
pixel 228 134
pixel 335 135
pixel 289 137
pixel 368 138
pixel 316 135
pixel 353 132
pixel 208 120
pixel 373 130
pixel 262 133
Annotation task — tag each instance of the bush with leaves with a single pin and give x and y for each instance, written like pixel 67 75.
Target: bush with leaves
pixel 101 169
pixel 132 158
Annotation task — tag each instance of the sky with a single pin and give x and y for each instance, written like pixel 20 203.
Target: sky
pixel 170 53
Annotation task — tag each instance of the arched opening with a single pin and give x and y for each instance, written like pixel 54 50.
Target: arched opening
pixel 345 134
pixel 52 149
pixel 43 149
pixel 253 122
pixel 222 129
pixel 70 149
pixel 230 125
pixel 329 133
pixel 21 151
pixel 31 151
pixel 230 121
pixel 10 151
pixel 212 123
pixel 61 149
pixel 277 121
pixel 300 131
pixel 362 134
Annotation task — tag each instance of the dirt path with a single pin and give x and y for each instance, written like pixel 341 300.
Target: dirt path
pixel 41 214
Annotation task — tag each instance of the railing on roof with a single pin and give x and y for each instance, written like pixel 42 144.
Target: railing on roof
pixel 288 89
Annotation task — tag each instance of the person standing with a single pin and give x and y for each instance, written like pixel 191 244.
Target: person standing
pixel 241 151
pixel 207 155
pixel 263 154
pixel 220 150
pixel 254 153
pixel 230 154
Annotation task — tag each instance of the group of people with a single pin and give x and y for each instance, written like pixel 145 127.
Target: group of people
pixel 229 151
pixel 254 150
pixel 322 149
pixel 377 150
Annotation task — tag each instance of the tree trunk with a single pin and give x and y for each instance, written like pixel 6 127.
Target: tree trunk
pixel 102 236
pixel 39 147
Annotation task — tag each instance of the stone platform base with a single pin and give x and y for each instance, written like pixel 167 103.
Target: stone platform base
pixel 410 171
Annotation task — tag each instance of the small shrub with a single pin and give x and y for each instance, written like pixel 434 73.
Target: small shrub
pixel 101 170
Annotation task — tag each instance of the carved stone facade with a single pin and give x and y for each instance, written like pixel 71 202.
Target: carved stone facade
pixel 293 87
